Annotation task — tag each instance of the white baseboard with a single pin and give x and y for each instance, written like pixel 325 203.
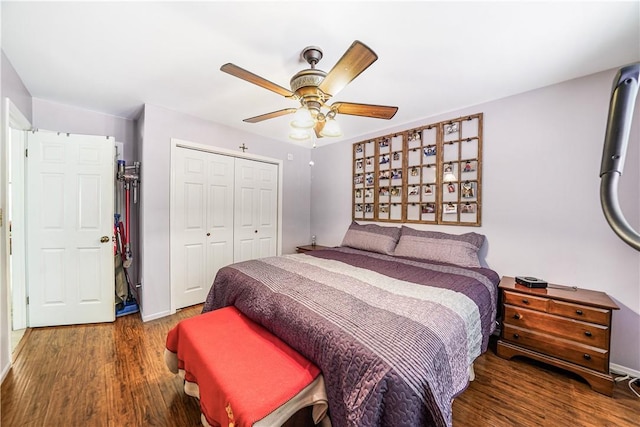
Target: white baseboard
pixel 619 369
pixel 5 371
pixel 155 316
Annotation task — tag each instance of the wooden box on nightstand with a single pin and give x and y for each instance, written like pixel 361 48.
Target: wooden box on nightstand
pixel 563 326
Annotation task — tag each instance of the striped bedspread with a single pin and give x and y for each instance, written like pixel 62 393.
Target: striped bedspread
pixel 394 337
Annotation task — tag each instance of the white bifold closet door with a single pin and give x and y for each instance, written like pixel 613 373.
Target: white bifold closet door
pixel 225 210
pixel 256 210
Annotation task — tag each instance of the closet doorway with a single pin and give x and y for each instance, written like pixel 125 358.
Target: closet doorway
pixel 225 208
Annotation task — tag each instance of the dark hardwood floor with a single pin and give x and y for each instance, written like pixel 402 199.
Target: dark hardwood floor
pixel 114 375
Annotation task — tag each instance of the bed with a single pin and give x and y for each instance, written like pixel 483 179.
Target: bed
pixel 394 318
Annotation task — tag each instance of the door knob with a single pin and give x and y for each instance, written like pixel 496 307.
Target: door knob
pixel 104 239
pixel 208 234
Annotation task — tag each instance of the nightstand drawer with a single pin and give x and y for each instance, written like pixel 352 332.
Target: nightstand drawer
pixel 569 329
pixel 580 354
pixel 580 312
pixel 528 301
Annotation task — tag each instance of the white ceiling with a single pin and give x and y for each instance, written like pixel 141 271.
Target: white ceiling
pixel 434 57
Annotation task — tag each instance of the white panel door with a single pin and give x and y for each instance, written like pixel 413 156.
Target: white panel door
pixel 256 209
pixel 202 227
pixel 70 272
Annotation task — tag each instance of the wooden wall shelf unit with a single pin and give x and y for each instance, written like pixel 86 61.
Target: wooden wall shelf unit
pixel 563 326
pixel 431 174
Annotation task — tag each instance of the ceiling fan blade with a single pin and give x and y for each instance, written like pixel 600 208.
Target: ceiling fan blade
pixel 271 115
pixel 243 74
pixel 366 110
pixel 354 61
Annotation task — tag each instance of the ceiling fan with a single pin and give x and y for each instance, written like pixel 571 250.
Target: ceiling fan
pixel 313 88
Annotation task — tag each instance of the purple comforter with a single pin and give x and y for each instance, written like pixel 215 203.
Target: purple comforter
pixel 394 337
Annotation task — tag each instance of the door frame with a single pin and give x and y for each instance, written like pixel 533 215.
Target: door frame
pixel 179 143
pixel 17 298
pixel 13 118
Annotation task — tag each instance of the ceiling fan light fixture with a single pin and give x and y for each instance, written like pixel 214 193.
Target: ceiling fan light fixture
pixel 313 88
pixel 303 119
pixel 299 134
pixel 331 128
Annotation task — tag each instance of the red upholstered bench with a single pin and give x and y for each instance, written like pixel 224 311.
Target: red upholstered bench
pixel 243 374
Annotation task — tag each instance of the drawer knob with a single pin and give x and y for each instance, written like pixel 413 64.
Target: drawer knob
pixel 587 333
pixel 579 312
pixel 516 336
pixel 516 316
pixel 525 301
pixel 587 356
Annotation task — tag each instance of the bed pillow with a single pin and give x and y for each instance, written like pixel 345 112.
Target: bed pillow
pixel 372 237
pixel 459 249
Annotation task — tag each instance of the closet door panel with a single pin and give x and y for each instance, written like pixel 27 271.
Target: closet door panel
pixel 219 214
pixel 256 209
pixel 189 241
pixel 202 237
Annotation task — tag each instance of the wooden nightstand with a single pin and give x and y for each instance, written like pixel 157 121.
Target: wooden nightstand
pixel 307 248
pixel 565 327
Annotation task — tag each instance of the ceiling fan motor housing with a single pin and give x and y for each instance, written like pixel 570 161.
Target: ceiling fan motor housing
pixel 305 85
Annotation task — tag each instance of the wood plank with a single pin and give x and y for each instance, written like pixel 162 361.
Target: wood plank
pixel 114 375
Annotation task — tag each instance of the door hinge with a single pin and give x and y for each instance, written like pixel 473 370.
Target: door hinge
pixel 26 152
pixel 0 217
pixel 27 300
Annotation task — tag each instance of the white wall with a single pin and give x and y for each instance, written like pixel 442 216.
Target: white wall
pixel 160 125
pixel 14 89
pixel 540 192
pixel 53 116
